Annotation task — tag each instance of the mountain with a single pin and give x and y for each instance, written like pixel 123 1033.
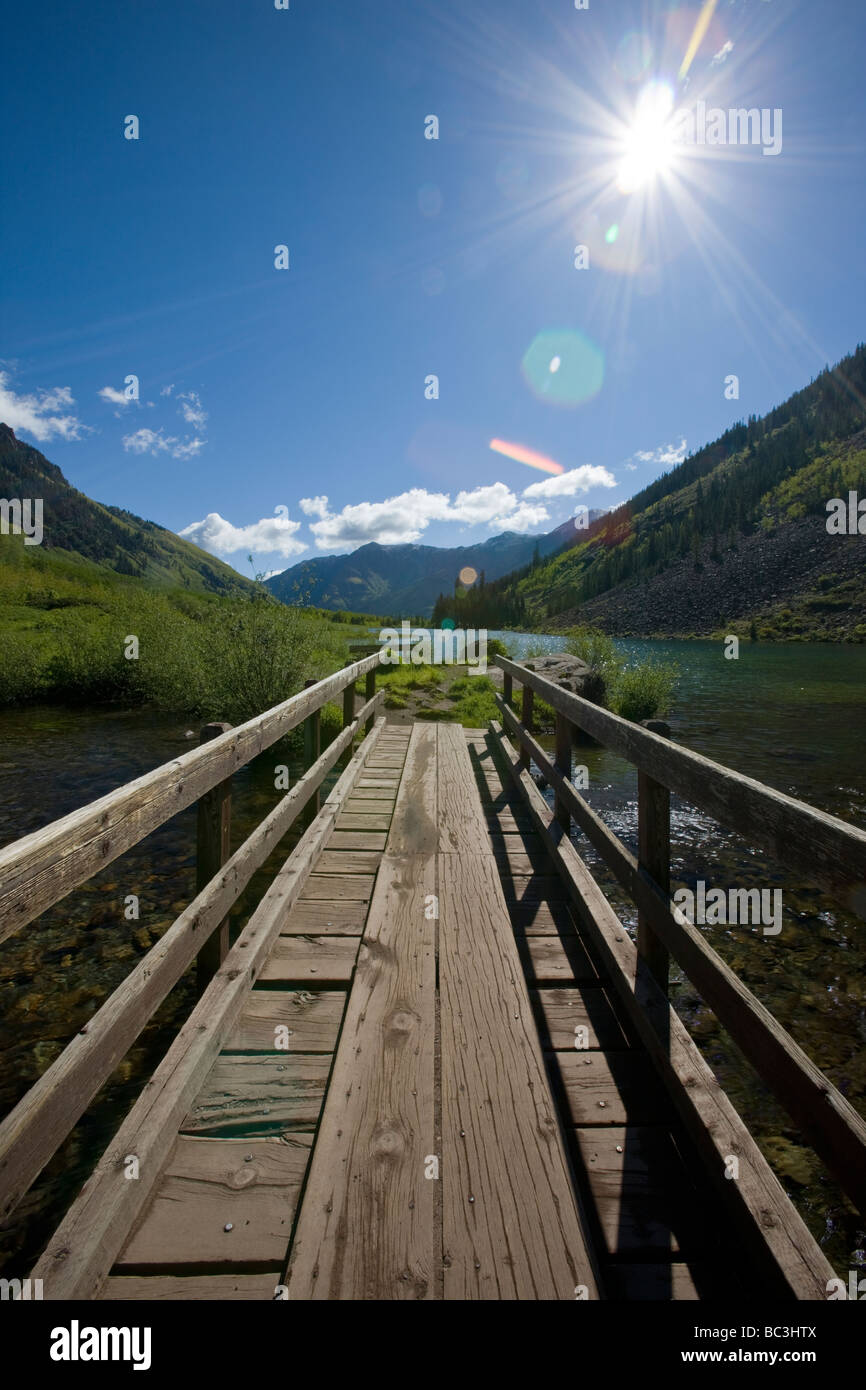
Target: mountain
pixel 407 579
pixel 74 527
pixel 735 538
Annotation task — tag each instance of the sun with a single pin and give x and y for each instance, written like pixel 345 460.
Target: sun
pixel 648 146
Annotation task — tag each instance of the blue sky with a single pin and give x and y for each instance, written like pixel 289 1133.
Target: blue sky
pixel 262 389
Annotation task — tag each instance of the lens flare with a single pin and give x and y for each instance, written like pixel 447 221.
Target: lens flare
pixel 697 38
pixel 520 454
pixel 467 575
pixel 579 371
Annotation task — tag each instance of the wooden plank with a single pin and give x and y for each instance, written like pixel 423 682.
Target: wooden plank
pixel 365 1229
pixel 532 888
pixel 355 822
pixel 611 1088
pixel 559 1012
pixel 38 1124
pixel 378 807
pixel 379 794
pixel 517 862
pixel 251 1185
pixel 644 1197
pixel 802 838
pixel 158 1288
pixel 541 918
pixel 510 1223
pixel 550 959
pixel 357 839
pixel 771 1229
pixel 506 820
pixel 41 868
pixel 250 1093
pixel 83 1248
pixel 312 1020
pixel 339 887
pixel 414 829
pixel 348 861
pixel 318 959
pixel 462 825
pixel 326 917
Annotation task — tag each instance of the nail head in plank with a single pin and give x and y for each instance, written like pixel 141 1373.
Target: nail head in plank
pixel 207 1184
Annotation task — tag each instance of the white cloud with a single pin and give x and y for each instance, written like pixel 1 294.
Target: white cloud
pixel 190 450
pixel 314 506
pixel 113 397
pixel 483 504
pixel 43 414
pixel 192 409
pixel 631 467
pixel 574 481
pixel 720 57
pixel 403 519
pixel 145 441
pixel 665 453
pixel 272 535
pixel 396 521
pixel 166 390
pixel 523 518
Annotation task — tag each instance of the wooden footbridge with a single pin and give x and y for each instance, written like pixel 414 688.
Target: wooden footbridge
pixel 433 1064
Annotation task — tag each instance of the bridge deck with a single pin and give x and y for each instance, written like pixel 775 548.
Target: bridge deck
pixel 400 1109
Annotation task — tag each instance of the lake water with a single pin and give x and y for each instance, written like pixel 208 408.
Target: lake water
pixel 791 716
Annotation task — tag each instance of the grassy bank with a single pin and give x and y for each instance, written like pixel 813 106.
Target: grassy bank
pixel 73 631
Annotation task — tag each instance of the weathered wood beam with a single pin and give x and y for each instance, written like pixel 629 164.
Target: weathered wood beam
pixel 40 869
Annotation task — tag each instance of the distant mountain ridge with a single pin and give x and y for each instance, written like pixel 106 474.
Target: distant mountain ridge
pixel 390 579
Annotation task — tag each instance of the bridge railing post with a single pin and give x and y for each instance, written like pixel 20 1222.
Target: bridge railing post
pixel 507 688
pixel 654 855
pixel 213 848
pixel 526 710
pixel 348 716
pixel 562 762
pixel 312 747
pixel 369 692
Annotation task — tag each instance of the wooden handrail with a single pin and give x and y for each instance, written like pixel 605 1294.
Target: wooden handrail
pixel 828 1121
pixel 39 1123
pixel 810 842
pixel 41 868
pixel 85 1245
pixel 772 1230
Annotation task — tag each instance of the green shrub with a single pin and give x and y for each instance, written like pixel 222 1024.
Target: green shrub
pixel 644 691
pixel 605 664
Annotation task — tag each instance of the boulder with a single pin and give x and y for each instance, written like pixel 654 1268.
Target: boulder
pixel 570 672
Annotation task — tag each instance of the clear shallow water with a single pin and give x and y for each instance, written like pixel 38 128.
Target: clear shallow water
pixel 790 716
